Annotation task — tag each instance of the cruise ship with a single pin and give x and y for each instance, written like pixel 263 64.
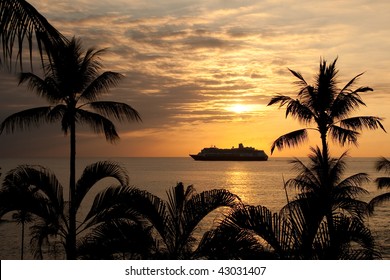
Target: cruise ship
pixel 234 154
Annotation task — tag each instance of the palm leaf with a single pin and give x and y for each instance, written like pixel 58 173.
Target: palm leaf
pixel 96 172
pixel 117 110
pixel 346 88
pixel 298 75
pixel 200 205
pixel 355 180
pixel 344 104
pixel 282 99
pixel 39 177
pixel 358 123
pixel 90 64
pixel 41 232
pixel 378 200
pixel 232 243
pixel 382 182
pixel 291 139
pixel 19 23
pixel 98 123
pixel 299 111
pixel 110 198
pixel 264 224
pixel 383 164
pixel 343 135
pixel 46 88
pixel 100 84
pixel 133 202
pixel 24 119
pixel 116 238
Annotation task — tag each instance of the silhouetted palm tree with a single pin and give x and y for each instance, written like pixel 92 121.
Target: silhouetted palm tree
pixel 72 84
pixel 175 221
pixel 19 192
pixel 22 25
pixel 46 203
pixel 324 194
pixel 383 164
pixel 327 107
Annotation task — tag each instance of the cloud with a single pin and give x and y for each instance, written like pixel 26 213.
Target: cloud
pixel 186 61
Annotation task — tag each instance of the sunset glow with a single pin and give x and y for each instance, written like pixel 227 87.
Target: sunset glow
pixel 239 108
pixel 203 72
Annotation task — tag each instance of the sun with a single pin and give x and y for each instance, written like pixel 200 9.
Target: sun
pixel 239 108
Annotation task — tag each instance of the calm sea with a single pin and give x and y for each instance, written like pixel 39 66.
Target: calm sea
pixel 256 183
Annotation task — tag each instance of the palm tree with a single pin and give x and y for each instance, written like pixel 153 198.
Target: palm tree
pixel 176 220
pixel 21 24
pixel 47 205
pixel 72 84
pixel 326 106
pixel 325 195
pixel 329 109
pixel 19 192
pixel 382 164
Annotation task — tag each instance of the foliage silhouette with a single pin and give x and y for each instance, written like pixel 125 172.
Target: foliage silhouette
pixel 72 84
pixel 326 106
pixel 21 24
pixel 44 200
pixel 175 221
pixel 382 183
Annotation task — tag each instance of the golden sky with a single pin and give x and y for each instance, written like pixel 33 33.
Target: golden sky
pixel 202 72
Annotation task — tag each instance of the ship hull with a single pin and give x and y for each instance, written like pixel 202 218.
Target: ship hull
pixel 229 158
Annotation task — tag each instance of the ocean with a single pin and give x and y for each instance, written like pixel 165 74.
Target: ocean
pixel 256 183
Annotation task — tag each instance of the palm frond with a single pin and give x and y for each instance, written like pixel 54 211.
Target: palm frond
pixel 39 177
pixel 100 85
pixel 20 22
pixel 109 198
pixel 356 209
pixel 378 200
pixel 355 180
pixel 383 164
pixel 90 64
pixel 96 172
pixel 202 204
pixel 46 88
pixel 132 201
pixel 344 104
pixel 116 239
pixel 40 235
pixel 232 243
pixel 98 123
pixel 343 135
pixel 299 111
pixel 382 182
pixel 358 123
pixel 347 87
pixel 117 110
pixel 282 99
pixel 353 240
pixel 298 75
pixel 291 139
pixel 25 119
pixel 264 224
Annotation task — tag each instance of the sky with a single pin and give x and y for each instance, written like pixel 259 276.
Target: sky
pixel 201 73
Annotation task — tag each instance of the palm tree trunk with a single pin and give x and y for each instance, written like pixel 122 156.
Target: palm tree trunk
pixel 328 211
pixel 71 242
pixel 22 245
